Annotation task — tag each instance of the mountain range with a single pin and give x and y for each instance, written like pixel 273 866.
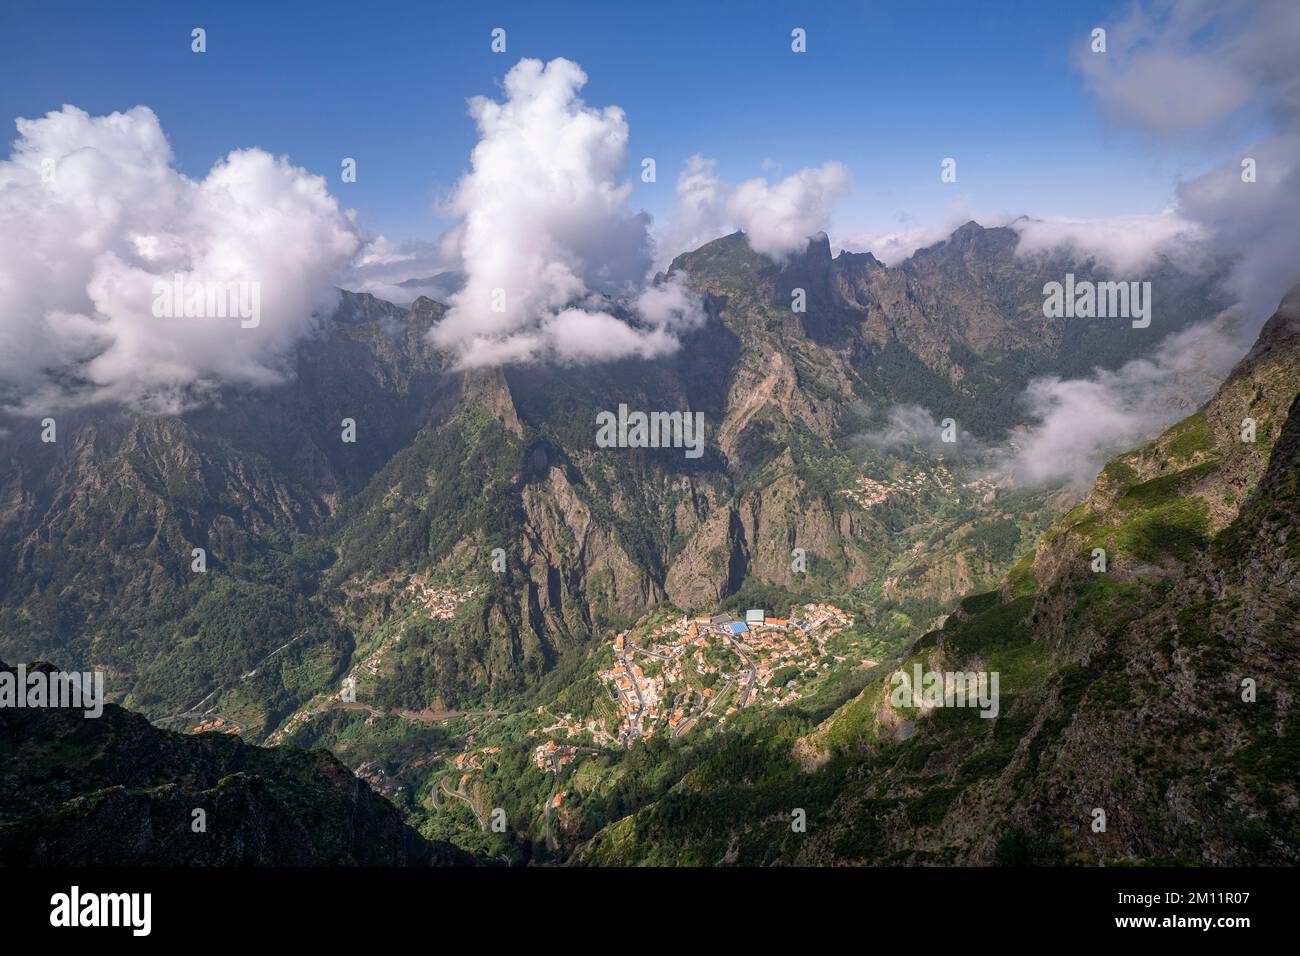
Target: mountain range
pixel 485 489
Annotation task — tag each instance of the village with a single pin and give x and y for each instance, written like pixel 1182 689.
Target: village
pixel 439 602
pixel 666 680
pixel 712 666
pixel 378 779
pixel 679 674
pixel 867 492
pixel 551 755
pixel 472 760
pixel 668 677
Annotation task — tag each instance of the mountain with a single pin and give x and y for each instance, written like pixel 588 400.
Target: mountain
pixel 1158 692
pixel 958 326
pixel 97 528
pixel 115 790
pixel 373 563
pixel 439 287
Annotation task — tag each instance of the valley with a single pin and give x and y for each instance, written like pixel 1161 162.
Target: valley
pixel 479 609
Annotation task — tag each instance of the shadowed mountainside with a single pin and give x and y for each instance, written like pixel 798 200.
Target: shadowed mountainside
pixel 115 790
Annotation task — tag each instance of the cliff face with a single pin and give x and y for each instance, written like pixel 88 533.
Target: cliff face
pixel 305 534
pixel 1160 692
pixel 98 528
pixel 115 790
pixel 1154 506
pixel 1146 712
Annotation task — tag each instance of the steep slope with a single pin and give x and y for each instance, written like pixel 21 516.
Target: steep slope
pixel 958 327
pixel 98 528
pixel 114 790
pixel 597 537
pixel 309 538
pixel 1146 711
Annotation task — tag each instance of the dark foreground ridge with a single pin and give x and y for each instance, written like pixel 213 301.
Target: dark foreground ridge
pixel 116 790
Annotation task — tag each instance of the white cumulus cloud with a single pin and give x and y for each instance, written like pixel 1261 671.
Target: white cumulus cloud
pixel 93 215
pixel 778 218
pixel 553 257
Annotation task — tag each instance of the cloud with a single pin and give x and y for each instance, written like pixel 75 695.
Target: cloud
pixel 698 217
pixel 1164 91
pixel 894 246
pixel 1077 425
pixel 553 257
pixel 1212 69
pixel 911 427
pixel 1122 244
pixel 1125 245
pixel 1172 69
pixel 1074 426
pixel 1255 226
pixel 1080 424
pixel 1176 69
pixel 93 215
pixel 1184 66
pixel 777 217
pixel 401 273
pixel 593 336
pixel 669 305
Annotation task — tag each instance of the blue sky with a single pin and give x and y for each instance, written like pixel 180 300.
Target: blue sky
pixel 889 89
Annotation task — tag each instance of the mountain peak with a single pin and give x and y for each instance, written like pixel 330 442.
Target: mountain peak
pixel 969 234
pixel 971 237
pixel 818 248
pixel 867 260
pixel 729 258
